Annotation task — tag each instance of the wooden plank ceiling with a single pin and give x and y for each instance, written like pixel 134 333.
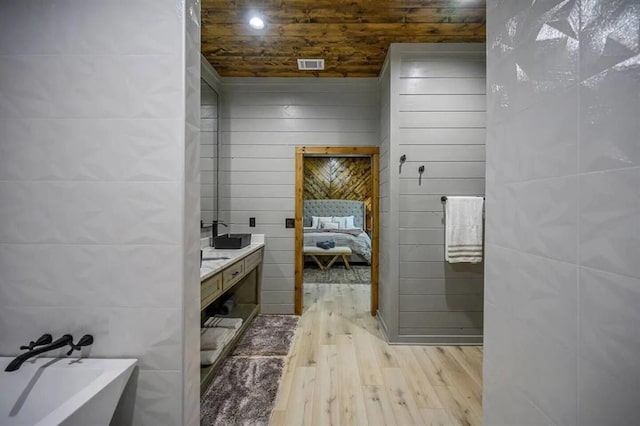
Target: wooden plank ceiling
pixel 351 35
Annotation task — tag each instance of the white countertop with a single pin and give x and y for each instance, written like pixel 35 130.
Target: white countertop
pixel 212 267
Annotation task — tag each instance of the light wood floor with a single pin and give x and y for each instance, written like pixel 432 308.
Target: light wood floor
pixel 340 371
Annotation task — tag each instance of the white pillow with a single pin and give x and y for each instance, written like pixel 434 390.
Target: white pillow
pixel 315 220
pixel 330 225
pixel 346 222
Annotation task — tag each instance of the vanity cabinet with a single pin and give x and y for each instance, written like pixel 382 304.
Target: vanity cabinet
pixel 239 275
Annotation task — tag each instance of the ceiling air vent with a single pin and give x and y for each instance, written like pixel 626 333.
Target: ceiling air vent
pixel 310 64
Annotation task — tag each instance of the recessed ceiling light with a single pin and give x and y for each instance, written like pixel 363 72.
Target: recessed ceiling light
pixel 256 22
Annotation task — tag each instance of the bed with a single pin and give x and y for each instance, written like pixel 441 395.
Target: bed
pixel 356 239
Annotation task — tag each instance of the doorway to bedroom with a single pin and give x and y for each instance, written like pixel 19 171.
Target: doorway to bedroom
pixel 336 228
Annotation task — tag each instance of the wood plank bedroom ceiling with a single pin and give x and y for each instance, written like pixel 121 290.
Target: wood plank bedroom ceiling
pixel 351 35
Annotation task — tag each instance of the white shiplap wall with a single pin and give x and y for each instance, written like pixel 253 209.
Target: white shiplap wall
pixel 437 120
pixel 388 282
pixel 262 121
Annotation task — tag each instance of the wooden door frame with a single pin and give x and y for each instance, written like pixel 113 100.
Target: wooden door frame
pixel 359 151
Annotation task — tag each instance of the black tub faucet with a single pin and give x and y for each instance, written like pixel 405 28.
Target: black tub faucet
pixel 45 339
pixel 65 340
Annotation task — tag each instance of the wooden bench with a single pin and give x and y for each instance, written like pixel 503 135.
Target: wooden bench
pixel 335 252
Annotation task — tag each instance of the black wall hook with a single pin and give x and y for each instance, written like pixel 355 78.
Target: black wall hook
pixel 403 158
pixel 420 172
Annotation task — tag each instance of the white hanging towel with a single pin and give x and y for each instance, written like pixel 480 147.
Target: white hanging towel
pixel 463 229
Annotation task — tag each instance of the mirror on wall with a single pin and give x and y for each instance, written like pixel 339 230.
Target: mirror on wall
pixel 209 111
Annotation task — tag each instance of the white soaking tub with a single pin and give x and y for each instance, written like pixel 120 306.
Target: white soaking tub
pixel 62 391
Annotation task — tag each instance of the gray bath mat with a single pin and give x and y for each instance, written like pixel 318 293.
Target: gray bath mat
pixel 268 335
pixel 242 393
pixel 245 387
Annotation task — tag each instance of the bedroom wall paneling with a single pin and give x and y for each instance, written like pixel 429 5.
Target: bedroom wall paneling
pixel 563 214
pixel 304 153
pixel 437 110
pixel 262 121
pixel 338 178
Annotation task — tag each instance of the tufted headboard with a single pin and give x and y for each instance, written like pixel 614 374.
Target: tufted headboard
pixel 334 208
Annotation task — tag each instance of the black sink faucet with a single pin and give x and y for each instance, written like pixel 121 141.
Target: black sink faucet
pixel 65 340
pixel 214 229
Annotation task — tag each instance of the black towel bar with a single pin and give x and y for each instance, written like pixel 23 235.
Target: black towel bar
pixel 444 198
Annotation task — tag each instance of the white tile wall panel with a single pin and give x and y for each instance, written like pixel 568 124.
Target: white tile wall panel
pixel 113 281
pixel 157 391
pixel 561 297
pixel 82 212
pixel 103 149
pixel 147 92
pixel 609 217
pixel 95 161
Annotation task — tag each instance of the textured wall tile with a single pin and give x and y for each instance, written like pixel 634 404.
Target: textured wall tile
pixel 550 379
pixel 573 368
pixel 53 28
pixel 536 217
pixel 151 335
pixel 542 151
pixel 90 212
pixel 609 111
pixel 609 333
pixel 99 90
pixel 610 221
pixel 606 399
pixel 89 149
pixel 534 53
pixel 158 399
pixel 610 34
pixel 89 275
